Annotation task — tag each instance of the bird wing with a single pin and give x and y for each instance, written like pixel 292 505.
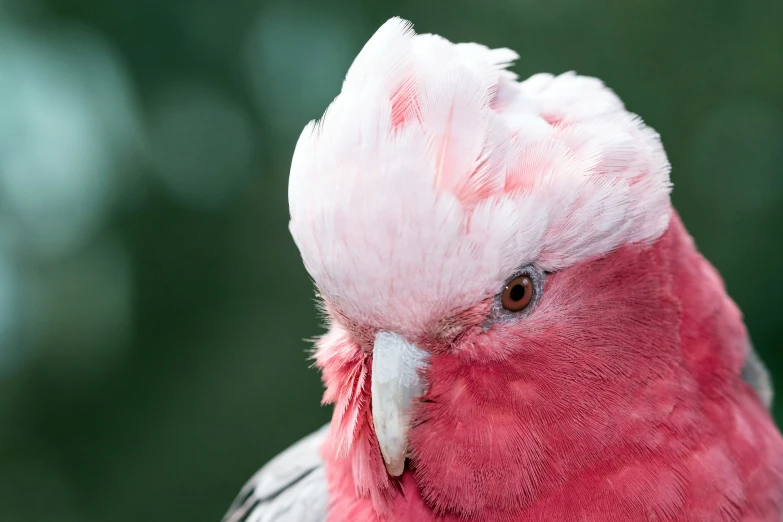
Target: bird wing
pixel 756 375
pixel 290 488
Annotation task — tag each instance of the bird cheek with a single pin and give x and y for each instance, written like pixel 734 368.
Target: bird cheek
pixel 481 344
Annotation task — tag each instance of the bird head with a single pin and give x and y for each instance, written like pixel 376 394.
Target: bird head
pixel 484 250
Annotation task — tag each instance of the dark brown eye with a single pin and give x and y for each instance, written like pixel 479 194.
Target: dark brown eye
pixel 517 294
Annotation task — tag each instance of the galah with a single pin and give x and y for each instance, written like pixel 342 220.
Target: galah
pixel 520 327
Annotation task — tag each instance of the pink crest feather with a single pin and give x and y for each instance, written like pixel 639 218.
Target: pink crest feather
pixel 429 140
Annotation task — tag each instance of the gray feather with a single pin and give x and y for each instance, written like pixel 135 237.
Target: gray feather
pixel 756 375
pixel 290 488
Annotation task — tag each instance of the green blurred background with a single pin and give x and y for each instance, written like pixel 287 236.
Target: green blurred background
pixel 152 304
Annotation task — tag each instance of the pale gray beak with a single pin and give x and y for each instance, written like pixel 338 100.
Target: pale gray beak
pixel 396 383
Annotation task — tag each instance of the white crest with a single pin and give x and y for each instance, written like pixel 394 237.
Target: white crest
pixel 435 174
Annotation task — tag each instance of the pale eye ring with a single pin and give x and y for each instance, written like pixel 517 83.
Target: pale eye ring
pixel 519 296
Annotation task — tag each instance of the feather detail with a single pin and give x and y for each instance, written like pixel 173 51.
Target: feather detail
pixel 426 134
pixel 432 178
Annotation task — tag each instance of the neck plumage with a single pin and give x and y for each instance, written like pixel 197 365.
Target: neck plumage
pixel 609 376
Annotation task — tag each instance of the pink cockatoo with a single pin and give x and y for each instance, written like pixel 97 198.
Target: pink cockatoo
pixel 520 327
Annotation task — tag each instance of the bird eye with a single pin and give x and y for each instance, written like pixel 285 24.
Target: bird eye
pixel 517 294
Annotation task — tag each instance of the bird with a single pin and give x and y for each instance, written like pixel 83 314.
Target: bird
pixel 520 327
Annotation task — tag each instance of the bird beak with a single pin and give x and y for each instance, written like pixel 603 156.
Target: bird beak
pixel 396 383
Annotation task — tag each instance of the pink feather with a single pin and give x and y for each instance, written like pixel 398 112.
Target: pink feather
pixel 429 181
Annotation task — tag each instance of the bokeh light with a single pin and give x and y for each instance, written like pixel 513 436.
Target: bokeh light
pixel 296 61
pixel 201 143
pixel 67 126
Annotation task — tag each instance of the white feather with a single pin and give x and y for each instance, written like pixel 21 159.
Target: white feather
pixel 435 174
